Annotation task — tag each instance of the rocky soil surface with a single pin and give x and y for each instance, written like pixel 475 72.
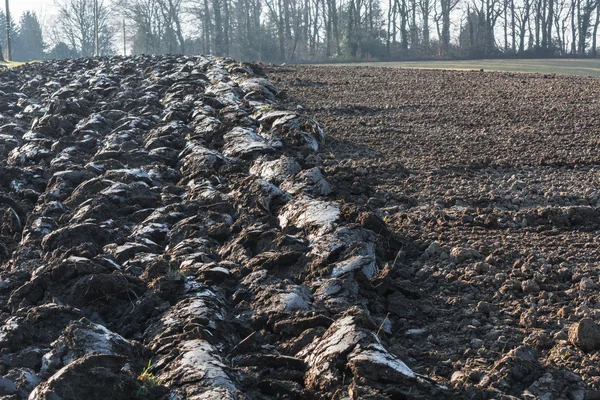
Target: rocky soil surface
pixel 169 232
pixel 184 228
pixel 491 182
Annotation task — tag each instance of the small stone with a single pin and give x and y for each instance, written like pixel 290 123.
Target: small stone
pixel 481 267
pixel 585 334
pixel 518 185
pixel 461 254
pixel 415 332
pixel 561 335
pixel 582 311
pixel 529 319
pixel 529 286
pixel 483 307
pixel 494 334
pixel 457 376
pixel 7 387
pixel 485 381
pixel 587 284
pixel 433 251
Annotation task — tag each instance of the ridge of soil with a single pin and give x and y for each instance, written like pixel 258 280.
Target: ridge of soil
pixel 168 233
pixel 494 178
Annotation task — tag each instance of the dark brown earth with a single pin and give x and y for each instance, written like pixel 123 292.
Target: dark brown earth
pixel 496 175
pixel 168 233
pixel 177 227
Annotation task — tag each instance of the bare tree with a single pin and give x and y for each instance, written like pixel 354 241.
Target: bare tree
pixel 561 24
pixel 293 30
pixel 172 12
pixel 488 11
pixel 76 20
pixel 442 12
pixel 425 7
pixel 522 16
pixel 156 25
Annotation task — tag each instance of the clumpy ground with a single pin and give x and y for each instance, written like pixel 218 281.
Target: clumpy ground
pixel 197 228
pixel 493 179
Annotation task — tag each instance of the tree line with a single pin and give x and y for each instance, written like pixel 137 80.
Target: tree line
pixel 313 30
pixel 26 37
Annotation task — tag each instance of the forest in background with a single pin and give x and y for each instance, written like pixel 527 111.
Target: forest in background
pixel 311 30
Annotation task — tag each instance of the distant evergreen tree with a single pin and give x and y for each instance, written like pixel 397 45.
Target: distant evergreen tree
pixel 14 31
pixel 61 50
pixel 29 43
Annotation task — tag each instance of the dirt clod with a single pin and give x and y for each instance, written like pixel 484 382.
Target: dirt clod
pixel 585 334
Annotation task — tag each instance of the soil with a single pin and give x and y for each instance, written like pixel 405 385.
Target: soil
pixel 182 228
pixel 492 178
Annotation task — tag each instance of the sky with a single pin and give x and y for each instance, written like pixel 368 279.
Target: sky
pixel 42 7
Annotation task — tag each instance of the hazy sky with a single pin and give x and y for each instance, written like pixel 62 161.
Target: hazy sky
pixel 42 7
